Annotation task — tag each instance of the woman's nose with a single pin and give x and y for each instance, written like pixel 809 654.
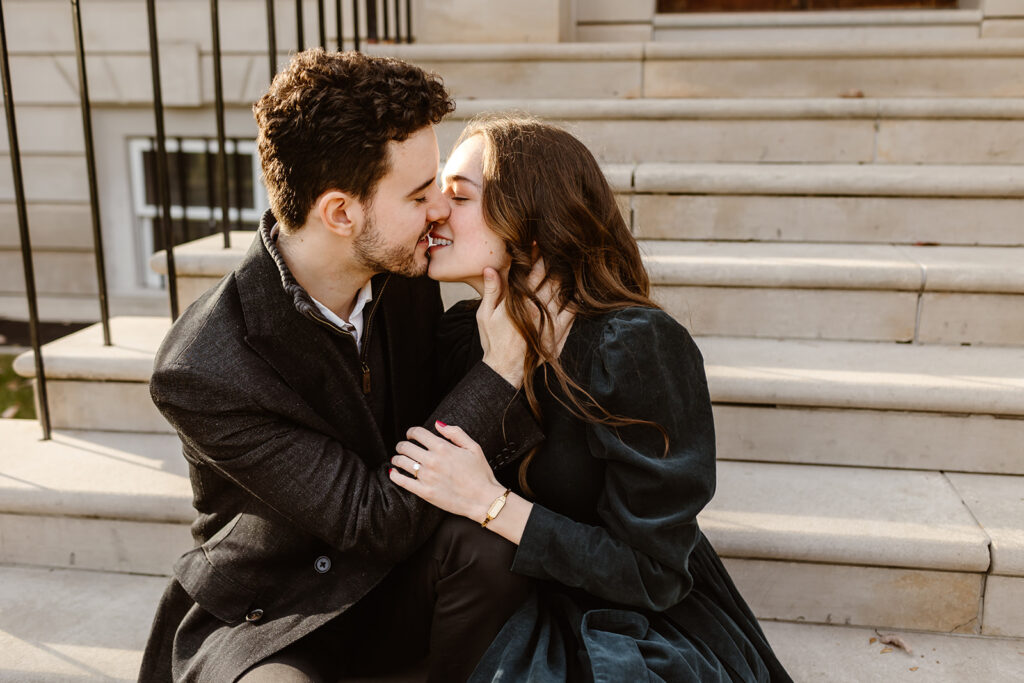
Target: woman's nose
pixel 439 208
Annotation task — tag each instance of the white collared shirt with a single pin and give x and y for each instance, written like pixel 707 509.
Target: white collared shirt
pixel 354 326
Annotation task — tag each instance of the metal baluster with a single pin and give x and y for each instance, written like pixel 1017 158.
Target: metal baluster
pixel 408 21
pixel 298 26
pixel 163 182
pixel 237 168
pixel 338 24
pixel 322 26
pixel 26 243
pixel 211 190
pixel 384 17
pixel 90 164
pixel 398 21
pixel 355 22
pixel 182 168
pixel 271 39
pixel 371 21
pixel 218 90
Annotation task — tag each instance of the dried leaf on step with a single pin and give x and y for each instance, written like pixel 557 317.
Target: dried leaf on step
pixel 852 94
pixel 914 668
pixel 872 641
pixel 885 651
pixel 895 641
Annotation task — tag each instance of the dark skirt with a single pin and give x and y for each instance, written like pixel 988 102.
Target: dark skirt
pixel 711 635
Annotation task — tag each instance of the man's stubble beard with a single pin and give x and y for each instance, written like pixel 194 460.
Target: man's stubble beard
pixel 373 252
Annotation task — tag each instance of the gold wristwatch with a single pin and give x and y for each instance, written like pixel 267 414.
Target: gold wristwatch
pixel 496 507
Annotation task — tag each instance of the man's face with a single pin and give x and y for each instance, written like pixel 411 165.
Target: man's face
pixel 407 200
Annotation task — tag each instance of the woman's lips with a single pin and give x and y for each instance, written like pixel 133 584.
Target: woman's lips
pixel 435 242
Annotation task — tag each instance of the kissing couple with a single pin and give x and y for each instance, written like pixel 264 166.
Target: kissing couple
pixel 504 491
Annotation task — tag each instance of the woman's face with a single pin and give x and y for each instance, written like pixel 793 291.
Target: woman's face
pixel 468 245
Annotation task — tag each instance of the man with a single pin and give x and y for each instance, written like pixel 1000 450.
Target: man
pixel 289 384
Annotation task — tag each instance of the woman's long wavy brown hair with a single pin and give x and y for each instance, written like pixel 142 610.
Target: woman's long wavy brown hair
pixel 543 187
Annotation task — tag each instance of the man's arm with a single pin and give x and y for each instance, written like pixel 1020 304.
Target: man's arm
pixel 306 475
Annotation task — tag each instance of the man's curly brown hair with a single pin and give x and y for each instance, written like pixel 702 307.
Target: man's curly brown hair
pixel 326 121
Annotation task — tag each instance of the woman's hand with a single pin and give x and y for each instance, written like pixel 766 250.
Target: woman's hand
pixel 504 348
pixel 450 473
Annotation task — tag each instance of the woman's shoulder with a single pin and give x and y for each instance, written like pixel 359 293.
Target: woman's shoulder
pixel 637 339
pixel 636 327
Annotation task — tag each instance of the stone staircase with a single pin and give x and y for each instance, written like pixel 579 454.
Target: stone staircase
pixel 839 224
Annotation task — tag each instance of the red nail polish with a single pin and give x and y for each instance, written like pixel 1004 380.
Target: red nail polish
pixel 441 423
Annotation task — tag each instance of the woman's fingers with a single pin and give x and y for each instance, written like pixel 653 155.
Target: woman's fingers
pixel 407 465
pixel 413 486
pixel 492 292
pixel 426 438
pixel 412 450
pixel 458 437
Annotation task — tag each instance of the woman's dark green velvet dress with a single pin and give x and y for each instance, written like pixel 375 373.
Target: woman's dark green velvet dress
pixel 628 587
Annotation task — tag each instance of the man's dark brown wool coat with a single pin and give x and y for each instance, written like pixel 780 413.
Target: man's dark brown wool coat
pixel 288 458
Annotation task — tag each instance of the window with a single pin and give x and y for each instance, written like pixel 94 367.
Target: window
pixel 195 192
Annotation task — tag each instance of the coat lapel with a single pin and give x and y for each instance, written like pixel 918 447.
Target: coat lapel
pixel 302 351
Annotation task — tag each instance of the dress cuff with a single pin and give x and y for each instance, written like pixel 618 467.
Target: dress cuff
pixel 541 528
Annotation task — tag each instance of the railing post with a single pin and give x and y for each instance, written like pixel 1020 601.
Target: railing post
pixel 90 163
pixel 355 23
pixel 181 168
pixel 408 21
pixel 271 39
pixel 384 17
pixel 339 21
pixel 222 154
pixel 371 21
pixel 163 182
pixel 321 23
pixel 26 243
pixel 299 36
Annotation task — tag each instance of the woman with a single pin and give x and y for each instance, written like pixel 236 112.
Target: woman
pixel 604 513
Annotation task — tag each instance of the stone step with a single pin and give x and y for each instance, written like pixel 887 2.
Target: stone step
pixel 899 549
pixel 102 501
pixel 828 402
pixel 868 26
pixel 812 130
pixel 905 204
pixel 860 292
pixel 873 547
pixel 738 69
pixel 69 626
pixel 932 295
pixel 815 653
pixel 112 615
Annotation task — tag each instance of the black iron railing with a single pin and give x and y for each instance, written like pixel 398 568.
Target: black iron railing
pixel 395 25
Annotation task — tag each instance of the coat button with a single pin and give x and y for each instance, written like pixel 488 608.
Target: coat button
pixel 322 564
pixel 254 615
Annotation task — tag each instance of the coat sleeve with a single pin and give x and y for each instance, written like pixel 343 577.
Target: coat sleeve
pixel 333 494
pixel 644 366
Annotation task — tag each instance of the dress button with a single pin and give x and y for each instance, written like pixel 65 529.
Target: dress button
pixel 322 564
pixel 512 446
pixel 254 615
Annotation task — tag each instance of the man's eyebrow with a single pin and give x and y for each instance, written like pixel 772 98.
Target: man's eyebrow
pixel 425 185
pixel 452 178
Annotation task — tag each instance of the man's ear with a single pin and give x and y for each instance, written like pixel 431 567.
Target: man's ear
pixel 340 212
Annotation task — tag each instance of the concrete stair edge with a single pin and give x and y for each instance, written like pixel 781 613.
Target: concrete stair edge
pixel 815 108
pixel 870 517
pixel 868 375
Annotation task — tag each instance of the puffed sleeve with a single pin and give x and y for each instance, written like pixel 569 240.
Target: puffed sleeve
pixel 645 366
